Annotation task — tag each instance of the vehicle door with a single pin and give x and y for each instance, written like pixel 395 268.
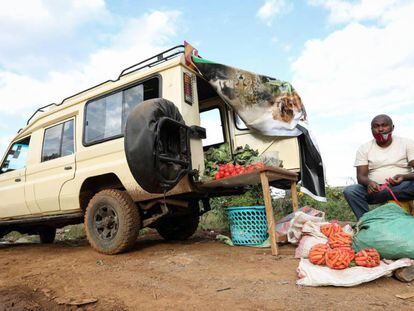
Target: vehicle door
pixel 213 117
pixel 12 181
pixel 56 166
pixel 284 149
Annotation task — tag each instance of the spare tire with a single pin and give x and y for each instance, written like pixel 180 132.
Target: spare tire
pixel 147 145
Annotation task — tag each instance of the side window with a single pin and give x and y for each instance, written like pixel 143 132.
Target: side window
pixel 68 140
pixel 212 122
pixel 16 156
pixel 132 97
pixel 58 141
pixel 106 117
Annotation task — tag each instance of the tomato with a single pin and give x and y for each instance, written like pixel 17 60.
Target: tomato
pixel 217 176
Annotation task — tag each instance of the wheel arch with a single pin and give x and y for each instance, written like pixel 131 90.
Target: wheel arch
pixel 94 184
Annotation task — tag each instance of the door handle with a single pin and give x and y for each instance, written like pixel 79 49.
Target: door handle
pixel 18 179
pixel 68 168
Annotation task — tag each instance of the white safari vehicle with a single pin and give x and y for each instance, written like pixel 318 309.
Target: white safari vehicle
pixel 123 155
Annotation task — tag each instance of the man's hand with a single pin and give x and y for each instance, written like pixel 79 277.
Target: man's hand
pixel 373 187
pixel 396 180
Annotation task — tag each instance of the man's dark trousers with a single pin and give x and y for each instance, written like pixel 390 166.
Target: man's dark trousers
pixel 358 198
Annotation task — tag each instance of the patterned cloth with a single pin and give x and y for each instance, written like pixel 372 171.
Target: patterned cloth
pixel 269 106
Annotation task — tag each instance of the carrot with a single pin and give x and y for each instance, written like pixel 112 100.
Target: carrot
pixel 368 257
pixel 340 239
pixel 329 229
pixel 338 258
pixel 317 254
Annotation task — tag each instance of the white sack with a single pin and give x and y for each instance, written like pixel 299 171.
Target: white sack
pixel 306 243
pixel 313 275
pixel 296 224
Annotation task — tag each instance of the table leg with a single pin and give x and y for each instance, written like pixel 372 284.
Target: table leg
pixel 269 213
pixel 294 193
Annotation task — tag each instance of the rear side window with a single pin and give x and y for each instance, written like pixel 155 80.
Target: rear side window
pixel 211 120
pixel 58 141
pixel 106 117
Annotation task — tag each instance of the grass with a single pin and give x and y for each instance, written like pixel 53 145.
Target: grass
pixel 336 207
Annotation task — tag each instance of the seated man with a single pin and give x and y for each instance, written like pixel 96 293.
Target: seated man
pixel 385 159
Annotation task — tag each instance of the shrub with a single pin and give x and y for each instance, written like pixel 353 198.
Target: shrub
pixel 336 206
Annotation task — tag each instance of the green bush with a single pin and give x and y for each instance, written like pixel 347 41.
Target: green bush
pixel 336 206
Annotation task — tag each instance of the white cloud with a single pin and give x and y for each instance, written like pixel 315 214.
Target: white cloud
pixel 272 8
pixel 341 11
pixel 138 39
pixel 45 32
pixel 352 75
pixel 358 68
pixel 4 143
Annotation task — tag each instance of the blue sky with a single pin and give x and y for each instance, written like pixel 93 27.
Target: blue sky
pixel 349 60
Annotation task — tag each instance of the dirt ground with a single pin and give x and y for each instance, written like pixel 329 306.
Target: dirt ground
pixel 199 274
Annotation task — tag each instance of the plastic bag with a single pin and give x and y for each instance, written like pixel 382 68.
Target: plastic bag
pixel 283 225
pixel 389 229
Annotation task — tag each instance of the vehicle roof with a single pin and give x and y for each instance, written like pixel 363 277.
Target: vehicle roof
pixel 123 79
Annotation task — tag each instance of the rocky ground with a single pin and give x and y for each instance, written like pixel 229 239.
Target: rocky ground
pixel 199 274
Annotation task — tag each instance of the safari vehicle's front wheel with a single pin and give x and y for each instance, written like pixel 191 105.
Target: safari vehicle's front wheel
pixel 112 222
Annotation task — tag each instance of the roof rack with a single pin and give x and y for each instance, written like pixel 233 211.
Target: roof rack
pixel 41 109
pixel 147 63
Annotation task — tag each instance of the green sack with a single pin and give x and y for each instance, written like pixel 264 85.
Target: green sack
pixel 389 229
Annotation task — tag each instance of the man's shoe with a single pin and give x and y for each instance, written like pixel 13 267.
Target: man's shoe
pixel 405 274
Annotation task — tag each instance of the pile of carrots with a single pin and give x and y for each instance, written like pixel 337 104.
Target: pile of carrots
pixel 338 254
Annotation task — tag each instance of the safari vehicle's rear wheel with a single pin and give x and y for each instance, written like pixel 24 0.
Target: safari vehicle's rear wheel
pixel 179 227
pixel 112 222
pixel 47 235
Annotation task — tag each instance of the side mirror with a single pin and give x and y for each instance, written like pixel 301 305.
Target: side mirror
pixel 5 166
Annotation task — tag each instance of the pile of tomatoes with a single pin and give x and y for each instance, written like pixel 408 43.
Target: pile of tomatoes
pixel 230 169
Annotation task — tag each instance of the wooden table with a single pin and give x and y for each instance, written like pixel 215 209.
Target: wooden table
pixel 262 176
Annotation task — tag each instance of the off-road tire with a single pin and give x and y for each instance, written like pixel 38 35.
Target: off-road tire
pixel 127 216
pixel 178 227
pixel 47 235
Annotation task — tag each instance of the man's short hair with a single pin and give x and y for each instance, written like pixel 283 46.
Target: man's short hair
pixel 382 116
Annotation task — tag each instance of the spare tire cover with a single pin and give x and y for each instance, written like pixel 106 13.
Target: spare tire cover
pixel 140 135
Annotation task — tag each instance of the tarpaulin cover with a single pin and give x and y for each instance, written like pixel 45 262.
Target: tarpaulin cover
pixel 389 229
pixel 269 106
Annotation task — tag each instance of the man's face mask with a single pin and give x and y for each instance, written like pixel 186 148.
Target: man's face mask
pixel 383 138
